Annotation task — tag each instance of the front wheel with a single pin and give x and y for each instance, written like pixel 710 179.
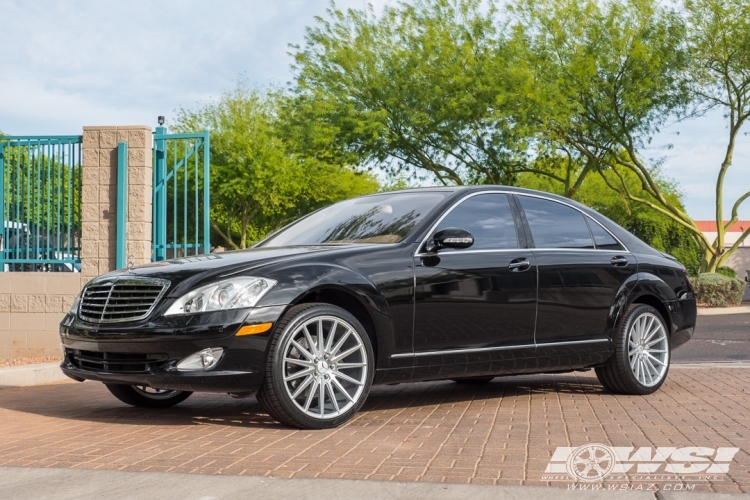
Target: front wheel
pixel 642 354
pixel 147 397
pixel 320 367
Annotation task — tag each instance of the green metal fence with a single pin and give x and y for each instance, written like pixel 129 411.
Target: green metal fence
pixel 181 225
pixel 40 203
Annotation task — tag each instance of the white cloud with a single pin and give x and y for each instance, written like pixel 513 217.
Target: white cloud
pixel 68 64
pixel 695 159
pixel 86 62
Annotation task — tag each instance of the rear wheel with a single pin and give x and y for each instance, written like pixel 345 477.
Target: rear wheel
pixel 320 367
pixel 147 397
pixel 642 354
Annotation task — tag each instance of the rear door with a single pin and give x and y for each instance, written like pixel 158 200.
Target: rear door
pixel 581 268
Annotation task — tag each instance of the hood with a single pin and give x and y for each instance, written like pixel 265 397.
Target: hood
pixel 187 272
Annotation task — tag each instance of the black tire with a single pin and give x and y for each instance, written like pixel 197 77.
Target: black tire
pixel 274 393
pixel 132 396
pixel 473 380
pixel 616 375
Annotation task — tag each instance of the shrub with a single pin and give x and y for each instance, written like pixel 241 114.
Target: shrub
pixel 717 290
pixel 726 271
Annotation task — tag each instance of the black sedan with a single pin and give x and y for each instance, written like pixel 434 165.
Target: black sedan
pixel 447 283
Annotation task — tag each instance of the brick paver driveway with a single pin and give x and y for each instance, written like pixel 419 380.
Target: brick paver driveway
pixel 502 432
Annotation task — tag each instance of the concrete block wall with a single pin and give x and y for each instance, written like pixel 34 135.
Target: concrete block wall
pixel 31 308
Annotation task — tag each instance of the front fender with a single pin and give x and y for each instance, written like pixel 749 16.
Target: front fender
pixel 298 281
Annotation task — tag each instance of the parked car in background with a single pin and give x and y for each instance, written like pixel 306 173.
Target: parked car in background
pixel 463 283
pixel 37 249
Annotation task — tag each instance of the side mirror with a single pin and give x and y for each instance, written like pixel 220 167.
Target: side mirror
pixel 450 237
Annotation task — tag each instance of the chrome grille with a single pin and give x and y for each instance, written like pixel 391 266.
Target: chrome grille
pixel 115 300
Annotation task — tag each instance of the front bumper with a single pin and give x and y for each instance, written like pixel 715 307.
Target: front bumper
pixel 146 354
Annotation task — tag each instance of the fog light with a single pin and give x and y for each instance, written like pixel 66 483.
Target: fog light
pixel 201 360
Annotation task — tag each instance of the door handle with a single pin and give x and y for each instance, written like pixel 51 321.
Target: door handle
pixel 518 265
pixel 619 261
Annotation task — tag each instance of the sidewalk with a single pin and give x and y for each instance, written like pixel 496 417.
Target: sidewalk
pixel 28 375
pixel 713 311
pixel 72 484
pixel 508 432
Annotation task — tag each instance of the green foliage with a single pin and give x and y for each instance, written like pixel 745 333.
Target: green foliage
pixel 464 92
pixel 717 290
pixel 719 77
pixel 606 74
pixel 727 271
pixel 269 163
pixel 609 75
pixel 420 90
pixel 396 183
pixel 42 190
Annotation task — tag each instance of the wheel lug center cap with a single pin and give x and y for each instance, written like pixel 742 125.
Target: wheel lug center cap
pixel 323 367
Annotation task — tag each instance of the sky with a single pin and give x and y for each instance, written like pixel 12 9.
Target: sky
pixel 75 63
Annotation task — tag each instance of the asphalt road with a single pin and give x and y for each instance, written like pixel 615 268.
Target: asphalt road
pixel 720 338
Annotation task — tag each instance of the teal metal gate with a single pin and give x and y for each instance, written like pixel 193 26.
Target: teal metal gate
pixel 40 203
pixel 181 223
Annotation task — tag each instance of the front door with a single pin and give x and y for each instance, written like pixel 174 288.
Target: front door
pixel 581 269
pixel 475 307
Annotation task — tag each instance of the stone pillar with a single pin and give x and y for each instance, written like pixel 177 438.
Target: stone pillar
pixel 99 196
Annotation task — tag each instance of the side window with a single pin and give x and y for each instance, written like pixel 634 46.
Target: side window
pixel 554 225
pixel 488 218
pixel 603 240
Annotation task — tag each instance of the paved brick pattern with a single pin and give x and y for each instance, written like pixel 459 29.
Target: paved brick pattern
pixel 503 432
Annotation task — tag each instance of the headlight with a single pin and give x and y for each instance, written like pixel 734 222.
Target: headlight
pixel 233 293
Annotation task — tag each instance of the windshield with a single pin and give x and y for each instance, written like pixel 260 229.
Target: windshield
pixel 382 218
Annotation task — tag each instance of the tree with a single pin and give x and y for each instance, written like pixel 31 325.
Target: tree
pixel 267 167
pixel 621 70
pixel 563 89
pixel 419 90
pixel 719 46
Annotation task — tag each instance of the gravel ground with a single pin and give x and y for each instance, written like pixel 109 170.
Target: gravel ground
pixel 4 363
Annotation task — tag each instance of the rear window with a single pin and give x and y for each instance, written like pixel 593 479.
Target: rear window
pixel 554 225
pixel 603 240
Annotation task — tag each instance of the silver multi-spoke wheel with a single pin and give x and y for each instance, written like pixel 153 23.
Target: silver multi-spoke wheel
pixel 640 361
pixel 151 393
pixel 648 349
pixel 325 366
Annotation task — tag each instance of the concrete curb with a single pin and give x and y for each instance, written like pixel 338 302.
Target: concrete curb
pixel 716 311
pixel 72 484
pixel 28 375
pixel 710 365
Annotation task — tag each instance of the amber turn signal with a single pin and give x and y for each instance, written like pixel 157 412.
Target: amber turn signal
pixel 254 329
